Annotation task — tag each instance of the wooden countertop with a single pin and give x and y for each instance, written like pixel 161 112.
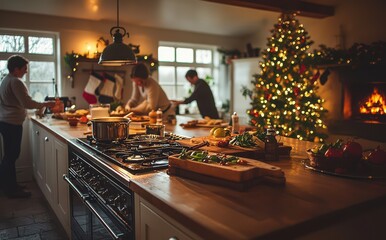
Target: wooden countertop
pixel 309 200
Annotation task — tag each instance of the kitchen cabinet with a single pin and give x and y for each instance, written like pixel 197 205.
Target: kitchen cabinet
pixel 38 162
pixel 49 160
pixel 61 203
pixel 242 73
pixel 153 224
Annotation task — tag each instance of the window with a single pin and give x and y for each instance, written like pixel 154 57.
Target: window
pixel 175 59
pixel 40 48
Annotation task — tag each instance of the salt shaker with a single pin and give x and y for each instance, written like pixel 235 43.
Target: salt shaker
pixel 235 123
pixel 159 117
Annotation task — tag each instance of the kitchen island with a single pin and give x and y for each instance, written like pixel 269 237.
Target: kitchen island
pixel 310 205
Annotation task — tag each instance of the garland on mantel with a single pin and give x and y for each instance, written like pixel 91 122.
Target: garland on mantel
pixel 72 60
pixel 356 56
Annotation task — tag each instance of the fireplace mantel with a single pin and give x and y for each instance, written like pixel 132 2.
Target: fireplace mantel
pixel 358 73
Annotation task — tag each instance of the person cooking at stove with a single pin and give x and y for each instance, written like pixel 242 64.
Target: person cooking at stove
pixel 14 100
pixel 147 94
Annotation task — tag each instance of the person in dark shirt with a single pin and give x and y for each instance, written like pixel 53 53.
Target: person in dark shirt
pixel 202 94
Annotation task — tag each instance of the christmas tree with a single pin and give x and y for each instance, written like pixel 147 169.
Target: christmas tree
pixel 284 94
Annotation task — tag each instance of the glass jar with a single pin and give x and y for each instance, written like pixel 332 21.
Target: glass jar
pixel 154 129
pixel 271 145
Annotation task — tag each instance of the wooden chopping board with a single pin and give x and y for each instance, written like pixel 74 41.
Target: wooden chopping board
pixel 235 176
pixel 255 153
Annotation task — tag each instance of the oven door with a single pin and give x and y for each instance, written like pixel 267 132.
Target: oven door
pixel 89 218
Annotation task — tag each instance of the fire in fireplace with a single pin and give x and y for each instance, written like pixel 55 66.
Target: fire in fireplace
pixel 363 102
pixel 370 103
pixel 374 104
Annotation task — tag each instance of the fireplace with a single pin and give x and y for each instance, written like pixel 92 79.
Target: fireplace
pixel 365 102
pixel 362 99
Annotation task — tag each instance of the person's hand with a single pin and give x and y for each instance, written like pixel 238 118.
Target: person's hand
pixel 49 104
pixel 176 102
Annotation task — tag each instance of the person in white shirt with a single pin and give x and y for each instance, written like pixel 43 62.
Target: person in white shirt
pixel 14 100
pixel 147 94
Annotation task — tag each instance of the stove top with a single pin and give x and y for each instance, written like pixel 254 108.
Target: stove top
pixel 138 153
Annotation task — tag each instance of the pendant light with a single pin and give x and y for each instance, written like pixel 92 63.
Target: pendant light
pixel 117 53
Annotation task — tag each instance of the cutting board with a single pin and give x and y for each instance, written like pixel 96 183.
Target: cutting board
pixel 254 153
pixel 236 176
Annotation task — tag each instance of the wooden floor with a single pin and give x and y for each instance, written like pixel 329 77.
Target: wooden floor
pixel 29 218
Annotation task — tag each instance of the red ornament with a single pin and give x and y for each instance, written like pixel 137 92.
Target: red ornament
pixel 296 91
pixel 302 69
pixel 268 96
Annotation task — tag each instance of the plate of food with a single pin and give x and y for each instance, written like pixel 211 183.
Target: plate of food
pixel 119 112
pixel 73 114
pixel 210 123
pixel 189 124
pixel 139 118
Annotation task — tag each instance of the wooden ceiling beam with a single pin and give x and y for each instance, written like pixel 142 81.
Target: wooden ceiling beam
pixel 303 8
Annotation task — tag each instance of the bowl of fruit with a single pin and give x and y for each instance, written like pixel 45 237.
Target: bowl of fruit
pixel 347 159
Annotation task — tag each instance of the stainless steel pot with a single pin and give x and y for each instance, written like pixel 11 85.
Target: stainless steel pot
pixel 110 128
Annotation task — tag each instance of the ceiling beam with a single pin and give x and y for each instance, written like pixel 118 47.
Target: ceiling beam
pixel 303 8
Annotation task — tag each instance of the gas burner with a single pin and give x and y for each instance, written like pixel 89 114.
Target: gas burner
pixel 133 158
pixel 137 153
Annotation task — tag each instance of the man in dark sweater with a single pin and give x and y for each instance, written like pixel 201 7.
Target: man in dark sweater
pixel 202 94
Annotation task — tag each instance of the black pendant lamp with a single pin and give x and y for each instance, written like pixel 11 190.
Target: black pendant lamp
pixel 117 53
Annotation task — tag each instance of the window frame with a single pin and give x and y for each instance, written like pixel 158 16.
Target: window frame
pixel 213 66
pixel 54 57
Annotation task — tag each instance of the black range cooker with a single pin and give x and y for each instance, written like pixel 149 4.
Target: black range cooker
pixel 101 202
pixel 138 153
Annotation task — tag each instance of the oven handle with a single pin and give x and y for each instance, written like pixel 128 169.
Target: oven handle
pixel 72 185
pixel 113 234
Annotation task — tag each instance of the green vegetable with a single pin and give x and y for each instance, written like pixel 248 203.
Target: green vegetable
pixel 243 140
pixel 214 158
pixel 183 154
pixel 204 156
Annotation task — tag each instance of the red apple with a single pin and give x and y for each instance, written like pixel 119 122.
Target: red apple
pixel 352 150
pixel 352 154
pixel 334 157
pixel 333 152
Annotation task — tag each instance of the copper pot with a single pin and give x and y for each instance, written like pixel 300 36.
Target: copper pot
pixel 108 129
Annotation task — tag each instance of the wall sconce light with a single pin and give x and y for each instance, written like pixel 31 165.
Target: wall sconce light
pixel 117 53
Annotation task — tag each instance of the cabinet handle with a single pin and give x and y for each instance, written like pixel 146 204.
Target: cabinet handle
pixel 37 133
pixel 46 139
pixel 173 238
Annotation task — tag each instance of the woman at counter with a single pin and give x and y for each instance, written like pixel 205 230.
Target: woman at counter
pixel 147 93
pixel 14 100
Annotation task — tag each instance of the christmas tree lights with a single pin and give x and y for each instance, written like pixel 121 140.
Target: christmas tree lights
pixel 284 94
